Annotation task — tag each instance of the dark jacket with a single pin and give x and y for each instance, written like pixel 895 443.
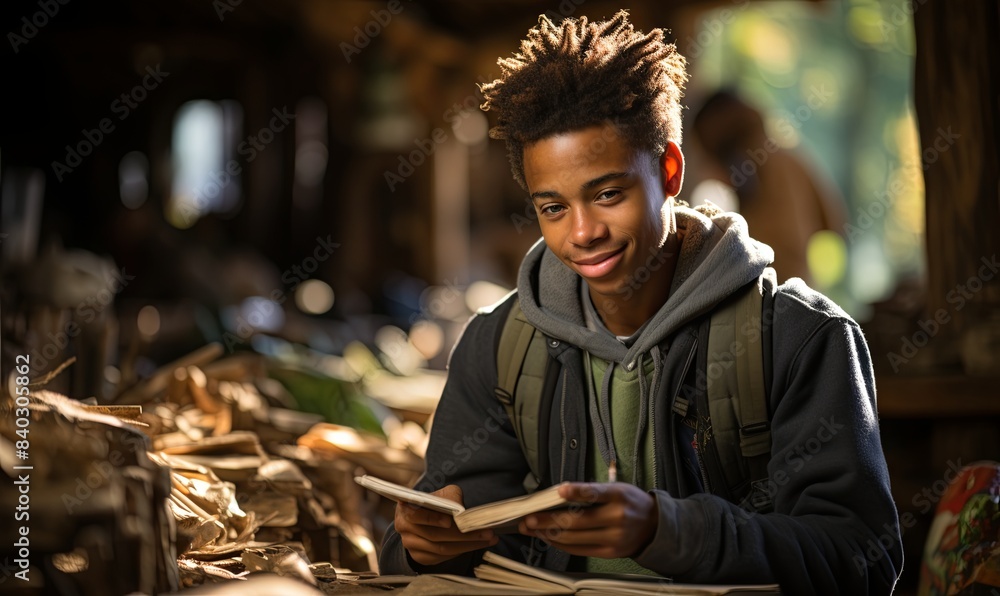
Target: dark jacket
pixel 833 528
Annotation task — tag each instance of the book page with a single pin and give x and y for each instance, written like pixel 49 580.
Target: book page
pixel 607 582
pixel 677 589
pixel 456 585
pixel 506 576
pixel 550 577
pixel 509 510
pixel 400 493
pixel 502 569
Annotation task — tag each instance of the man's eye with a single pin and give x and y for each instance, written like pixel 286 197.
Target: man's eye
pixel 552 209
pixel 609 194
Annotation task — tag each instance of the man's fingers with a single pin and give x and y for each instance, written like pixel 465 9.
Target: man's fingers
pixel 452 492
pixel 434 534
pixel 587 492
pixel 564 520
pixel 577 538
pixel 577 517
pixel 424 517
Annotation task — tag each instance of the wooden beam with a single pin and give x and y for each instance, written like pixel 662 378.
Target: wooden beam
pixel 941 396
pixel 956 93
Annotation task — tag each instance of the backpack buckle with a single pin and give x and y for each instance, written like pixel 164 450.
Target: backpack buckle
pixel 502 395
pixel 760 496
pixel 754 429
pixel 755 439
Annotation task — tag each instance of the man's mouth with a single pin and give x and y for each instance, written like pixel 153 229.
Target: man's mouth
pixel 600 264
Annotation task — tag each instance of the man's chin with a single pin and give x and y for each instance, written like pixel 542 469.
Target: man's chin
pixel 608 289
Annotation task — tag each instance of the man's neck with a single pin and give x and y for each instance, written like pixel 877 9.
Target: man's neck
pixel 624 313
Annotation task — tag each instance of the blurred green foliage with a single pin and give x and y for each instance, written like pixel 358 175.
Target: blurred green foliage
pixel 835 79
pixel 338 401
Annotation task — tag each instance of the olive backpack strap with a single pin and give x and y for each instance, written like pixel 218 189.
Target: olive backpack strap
pixel 521 360
pixel 737 393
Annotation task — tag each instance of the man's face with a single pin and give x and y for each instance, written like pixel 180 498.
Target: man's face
pixel 601 203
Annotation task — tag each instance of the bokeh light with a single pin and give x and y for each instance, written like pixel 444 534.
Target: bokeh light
pixel 148 321
pixel 314 297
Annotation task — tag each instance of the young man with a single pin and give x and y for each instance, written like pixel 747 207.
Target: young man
pixel 623 287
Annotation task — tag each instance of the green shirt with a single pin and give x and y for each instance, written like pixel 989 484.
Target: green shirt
pixel 625 417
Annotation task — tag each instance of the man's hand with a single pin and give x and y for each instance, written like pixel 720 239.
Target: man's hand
pixel 431 537
pixel 621 522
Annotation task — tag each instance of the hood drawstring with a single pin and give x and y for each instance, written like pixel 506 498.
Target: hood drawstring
pixel 645 391
pixel 600 411
pixel 600 414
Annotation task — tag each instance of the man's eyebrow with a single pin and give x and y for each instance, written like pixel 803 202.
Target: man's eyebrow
pixel 602 179
pixel 545 194
pixel 549 194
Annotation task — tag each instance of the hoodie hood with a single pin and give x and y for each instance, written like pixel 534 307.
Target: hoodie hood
pixel 717 257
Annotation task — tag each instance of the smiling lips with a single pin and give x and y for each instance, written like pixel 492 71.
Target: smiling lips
pixel 599 265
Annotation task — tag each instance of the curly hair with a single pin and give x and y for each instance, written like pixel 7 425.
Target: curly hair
pixel 579 74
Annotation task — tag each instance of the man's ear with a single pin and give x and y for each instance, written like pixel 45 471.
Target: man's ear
pixel 672 168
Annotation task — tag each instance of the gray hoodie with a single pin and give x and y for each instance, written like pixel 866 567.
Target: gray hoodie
pixel 833 528
pixel 717 258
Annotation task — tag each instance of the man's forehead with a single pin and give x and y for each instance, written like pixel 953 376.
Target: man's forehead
pixel 576 158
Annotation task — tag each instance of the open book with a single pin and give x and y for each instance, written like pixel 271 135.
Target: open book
pixel 501 515
pixel 527 579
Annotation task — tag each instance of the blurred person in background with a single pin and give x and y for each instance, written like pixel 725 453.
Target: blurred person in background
pixel 782 198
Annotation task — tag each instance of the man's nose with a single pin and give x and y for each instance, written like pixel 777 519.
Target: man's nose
pixel 587 227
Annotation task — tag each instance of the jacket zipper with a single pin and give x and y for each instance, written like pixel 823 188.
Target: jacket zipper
pixel 562 464
pixel 699 428
pixel 562 424
pixel 684 372
pixel 701 436
pixel 706 485
pixel 652 419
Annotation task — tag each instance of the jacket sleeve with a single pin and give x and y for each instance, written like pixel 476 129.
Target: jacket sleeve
pixel 472 444
pixel 834 528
